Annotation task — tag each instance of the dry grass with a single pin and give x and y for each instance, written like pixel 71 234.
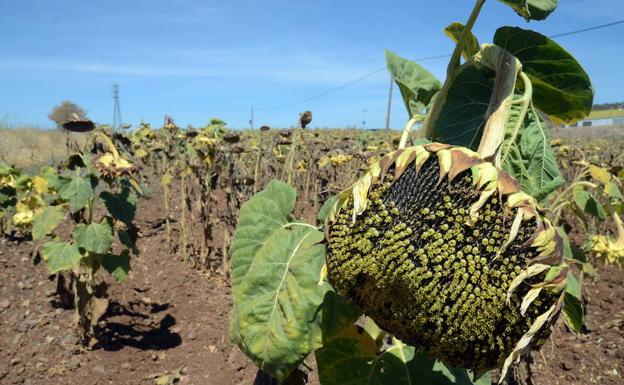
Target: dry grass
pixel 31 148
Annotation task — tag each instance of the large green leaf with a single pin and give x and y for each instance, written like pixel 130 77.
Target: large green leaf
pixel 121 206
pixel 117 265
pixel 532 9
pixel 471 46
pixel 60 256
pixel 277 298
pixel 417 85
pixel 76 190
pixel 526 152
pixel 96 237
pixel 463 113
pixel 46 221
pixel 266 212
pixel 561 87
pixel 351 357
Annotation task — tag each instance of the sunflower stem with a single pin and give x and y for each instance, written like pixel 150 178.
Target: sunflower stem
pixel 406 132
pixel 450 70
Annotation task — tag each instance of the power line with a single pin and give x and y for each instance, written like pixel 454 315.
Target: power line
pixel 366 76
pixel 588 29
pixel 363 77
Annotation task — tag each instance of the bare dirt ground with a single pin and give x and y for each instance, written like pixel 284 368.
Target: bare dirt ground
pixel 168 324
pixel 167 320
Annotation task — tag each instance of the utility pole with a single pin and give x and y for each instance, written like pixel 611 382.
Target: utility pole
pixel 251 119
pixel 389 103
pixel 117 121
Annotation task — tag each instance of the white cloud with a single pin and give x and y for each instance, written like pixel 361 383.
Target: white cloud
pixel 256 64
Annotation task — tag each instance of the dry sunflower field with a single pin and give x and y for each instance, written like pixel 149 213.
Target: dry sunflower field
pixel 484 247
pixel 168 321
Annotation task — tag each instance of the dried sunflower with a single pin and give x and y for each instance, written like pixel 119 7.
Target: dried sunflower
pixel 445 252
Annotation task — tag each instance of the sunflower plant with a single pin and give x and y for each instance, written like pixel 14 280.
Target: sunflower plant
pixel 88 227
pixel 443 261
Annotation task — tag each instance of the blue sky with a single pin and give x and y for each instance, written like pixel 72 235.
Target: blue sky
pixel 200 59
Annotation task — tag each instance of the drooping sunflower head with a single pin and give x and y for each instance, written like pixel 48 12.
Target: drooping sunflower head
pixel 444 251
pixel 113 166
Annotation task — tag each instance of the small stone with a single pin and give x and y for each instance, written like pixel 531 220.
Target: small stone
pixel 3 373
pixel 176 329
pixel 20 285
pixel 25 325
pixel 26 303
pixel 126 366
pixel 74 363
pixel 192 334
pixel 5 304
pixel 39 366
pixel 99 369
pixel 70 339
pixel 58 311
pixel 14 361
pixel 212 348
pixel 17 338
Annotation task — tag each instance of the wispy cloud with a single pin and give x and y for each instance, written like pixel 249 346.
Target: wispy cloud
pixel 255 64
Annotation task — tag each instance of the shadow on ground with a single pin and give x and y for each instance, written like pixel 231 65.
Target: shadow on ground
pixel 133 326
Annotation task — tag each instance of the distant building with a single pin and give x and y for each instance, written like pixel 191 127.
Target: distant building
pixel 613 117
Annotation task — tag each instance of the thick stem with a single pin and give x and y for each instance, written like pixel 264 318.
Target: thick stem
pixel 406 132
pixel 450 70
pixel 525 101
pixel 183 232
pixel 258 161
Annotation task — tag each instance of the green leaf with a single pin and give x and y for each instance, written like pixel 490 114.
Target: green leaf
pixel 60 256
pixel 352 358
pixel 590 205
pixel 327 206
pixel 77 190
pixel 276 265
pixel 259 218
pixel 338 314
pixel 121 206
pixel 46 221
pixel 573 312
pixel 96 237
pixel 417 85
pixel 463 113
pixel 117 265
pixel 612 190
pixel 532 9
pixel 527 155
pixel 471 46
pixel 561 87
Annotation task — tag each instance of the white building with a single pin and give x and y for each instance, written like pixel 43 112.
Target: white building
pixel 613 117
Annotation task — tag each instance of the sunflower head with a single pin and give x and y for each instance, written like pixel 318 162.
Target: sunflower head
pixel 111 166
pixel 445 252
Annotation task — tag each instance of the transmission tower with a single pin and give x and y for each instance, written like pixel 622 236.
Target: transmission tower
pixel 117 122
